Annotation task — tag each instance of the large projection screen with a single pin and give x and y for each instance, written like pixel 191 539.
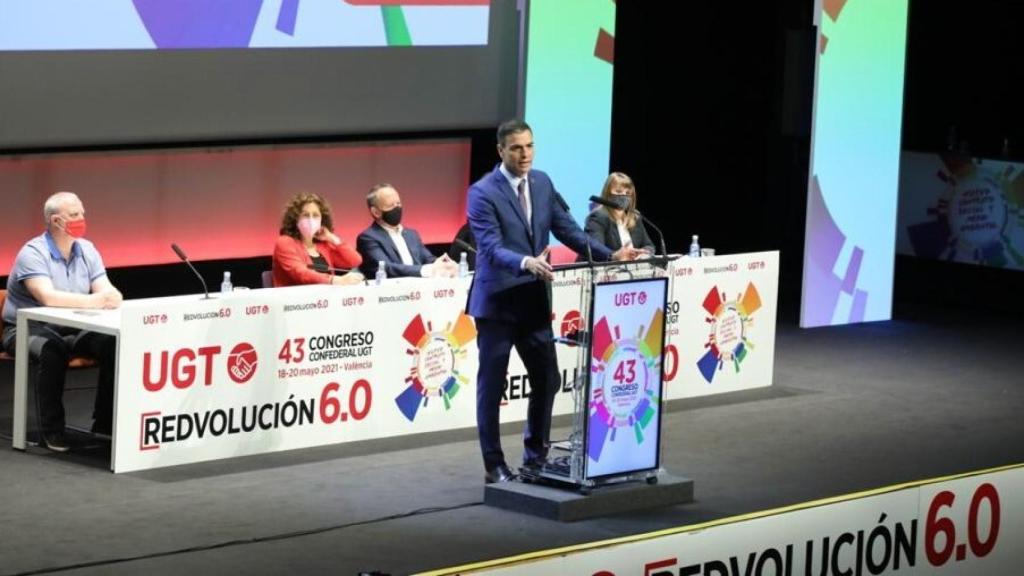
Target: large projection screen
pixel 125 72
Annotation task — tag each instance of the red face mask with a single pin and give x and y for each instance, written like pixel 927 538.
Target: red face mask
pixel 75 228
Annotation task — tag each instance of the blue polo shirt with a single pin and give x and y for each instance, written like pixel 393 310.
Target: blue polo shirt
pixel 40 257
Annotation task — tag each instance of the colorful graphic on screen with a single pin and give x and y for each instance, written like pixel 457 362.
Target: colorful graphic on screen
pixel 728 323
pixel 624 394
pixel 571 47
pixel 206 24
pixel 849 250
pixel 962 209
pixel 436 356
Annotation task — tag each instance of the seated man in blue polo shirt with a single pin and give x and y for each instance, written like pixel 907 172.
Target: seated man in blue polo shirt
pixel 60 268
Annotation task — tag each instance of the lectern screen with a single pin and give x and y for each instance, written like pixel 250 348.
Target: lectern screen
pixel 623 426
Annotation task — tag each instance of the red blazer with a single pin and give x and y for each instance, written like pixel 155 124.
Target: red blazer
pixel 292 262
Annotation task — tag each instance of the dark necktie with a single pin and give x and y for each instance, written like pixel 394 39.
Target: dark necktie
pixel 522 198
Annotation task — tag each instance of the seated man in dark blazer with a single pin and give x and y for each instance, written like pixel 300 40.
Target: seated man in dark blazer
pixel 399 247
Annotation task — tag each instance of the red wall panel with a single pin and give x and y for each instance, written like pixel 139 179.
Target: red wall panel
pixel 227 203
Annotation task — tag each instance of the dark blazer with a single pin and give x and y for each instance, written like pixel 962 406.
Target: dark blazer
pixel 601 227
pixel 374 244
pixel 501 290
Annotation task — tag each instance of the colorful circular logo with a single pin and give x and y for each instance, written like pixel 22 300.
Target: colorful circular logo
pixel 625 382
pixel 434 373
pixel 728 320
pixel 727 331
pixel 435 363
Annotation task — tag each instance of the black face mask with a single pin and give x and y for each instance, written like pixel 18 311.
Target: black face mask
pixel 622 201
pixel 392 217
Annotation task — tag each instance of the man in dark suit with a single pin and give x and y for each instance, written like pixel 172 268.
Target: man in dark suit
pixel 511 211
pixel 401 248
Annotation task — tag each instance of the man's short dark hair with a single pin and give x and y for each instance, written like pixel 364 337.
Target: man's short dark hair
pixel 513 126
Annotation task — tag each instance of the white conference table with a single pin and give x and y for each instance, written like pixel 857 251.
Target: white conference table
pixel 191 370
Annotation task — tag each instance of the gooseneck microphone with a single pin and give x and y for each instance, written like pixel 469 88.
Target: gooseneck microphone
pixel 184 258
pixel 610 204
pixel 464 245
pixel 605 203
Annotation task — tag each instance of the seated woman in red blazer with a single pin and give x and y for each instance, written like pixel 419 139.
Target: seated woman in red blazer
pixel 308 251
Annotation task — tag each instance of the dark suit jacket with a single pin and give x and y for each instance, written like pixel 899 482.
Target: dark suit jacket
pixel 374 244
pixel 601 227
pixel 501 290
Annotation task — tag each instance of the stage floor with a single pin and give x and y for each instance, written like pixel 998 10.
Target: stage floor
pixel 852 408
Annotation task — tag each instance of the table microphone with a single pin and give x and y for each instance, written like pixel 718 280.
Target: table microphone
pixel 463 244
pixel 181 254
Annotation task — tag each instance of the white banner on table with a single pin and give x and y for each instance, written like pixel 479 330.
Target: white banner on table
pixel 971 525
pixel 721 324
pixel 291 368
pixel 269 370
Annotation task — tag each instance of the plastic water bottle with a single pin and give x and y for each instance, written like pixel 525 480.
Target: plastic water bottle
pixel 225 285
pixel 694 248
pixel 382 273
pixel 463 265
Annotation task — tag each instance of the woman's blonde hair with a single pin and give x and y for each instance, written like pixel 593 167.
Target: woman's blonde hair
pixel 620 180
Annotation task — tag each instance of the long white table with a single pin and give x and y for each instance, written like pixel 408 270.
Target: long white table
pixel 265 370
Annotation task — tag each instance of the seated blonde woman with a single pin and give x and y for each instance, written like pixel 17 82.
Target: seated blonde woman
pixel 618 227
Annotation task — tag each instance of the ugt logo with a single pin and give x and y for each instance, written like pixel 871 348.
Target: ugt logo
pixel 242 362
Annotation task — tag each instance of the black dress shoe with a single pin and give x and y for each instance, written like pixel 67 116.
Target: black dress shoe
pixel 499 473
pixel 535 465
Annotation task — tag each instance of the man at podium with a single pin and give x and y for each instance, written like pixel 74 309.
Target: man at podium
pixel 512 211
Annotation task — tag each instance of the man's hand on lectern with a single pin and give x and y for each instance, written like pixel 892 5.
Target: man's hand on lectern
pixel 539 267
